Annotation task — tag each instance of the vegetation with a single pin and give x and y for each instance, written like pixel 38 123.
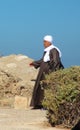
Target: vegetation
pixel 62 96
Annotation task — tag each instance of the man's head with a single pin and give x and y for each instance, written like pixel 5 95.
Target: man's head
pixel 48 40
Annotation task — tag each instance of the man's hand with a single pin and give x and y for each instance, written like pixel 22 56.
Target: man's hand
pixel 31 64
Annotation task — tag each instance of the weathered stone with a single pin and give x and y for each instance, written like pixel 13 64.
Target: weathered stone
pixel 16 78
pixel 21 102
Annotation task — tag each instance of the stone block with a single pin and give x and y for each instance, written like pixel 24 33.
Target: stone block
pixel 21 102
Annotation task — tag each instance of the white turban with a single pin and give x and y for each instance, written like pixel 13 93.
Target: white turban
pixel 48 38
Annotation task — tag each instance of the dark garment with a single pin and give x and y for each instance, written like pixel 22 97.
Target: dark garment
pixel 45 68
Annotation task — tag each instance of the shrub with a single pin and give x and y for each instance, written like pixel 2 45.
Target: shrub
pixel 62 96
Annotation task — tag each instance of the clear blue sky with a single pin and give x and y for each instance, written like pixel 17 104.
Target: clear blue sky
pixel 24 23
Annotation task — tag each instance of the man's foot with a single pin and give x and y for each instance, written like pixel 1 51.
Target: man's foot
pixel 38 107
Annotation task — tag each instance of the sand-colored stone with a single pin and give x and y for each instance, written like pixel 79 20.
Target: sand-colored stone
pixel 16 80
pixel 21 102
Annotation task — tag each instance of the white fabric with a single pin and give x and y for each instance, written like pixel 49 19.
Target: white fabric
pixel 47 50
pixel 48 38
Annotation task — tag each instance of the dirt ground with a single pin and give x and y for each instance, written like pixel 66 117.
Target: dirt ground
pixel 11 119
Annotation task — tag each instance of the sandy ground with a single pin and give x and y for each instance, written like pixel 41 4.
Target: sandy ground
pixel 11 119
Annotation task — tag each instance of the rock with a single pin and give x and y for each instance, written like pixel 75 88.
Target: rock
pixel 16 79
pixel 21 102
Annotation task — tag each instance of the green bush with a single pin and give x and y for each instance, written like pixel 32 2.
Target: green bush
pixel 62 96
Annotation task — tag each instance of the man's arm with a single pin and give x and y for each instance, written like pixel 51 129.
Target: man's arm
pixel 37 63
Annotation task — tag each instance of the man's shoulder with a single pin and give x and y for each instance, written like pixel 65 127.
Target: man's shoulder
pixel 53 50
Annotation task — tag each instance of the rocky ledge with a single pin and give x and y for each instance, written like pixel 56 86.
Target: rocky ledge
pixel 16 85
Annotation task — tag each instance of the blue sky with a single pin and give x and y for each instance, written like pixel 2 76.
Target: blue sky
pixel 24 23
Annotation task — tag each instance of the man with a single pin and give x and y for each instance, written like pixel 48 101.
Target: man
pixel 48 63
